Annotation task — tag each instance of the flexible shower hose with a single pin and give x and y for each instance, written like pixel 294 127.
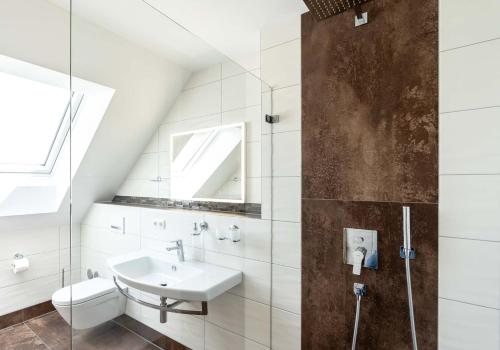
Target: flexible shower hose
pixel 410 304
pixel 407 252
pixel 356 321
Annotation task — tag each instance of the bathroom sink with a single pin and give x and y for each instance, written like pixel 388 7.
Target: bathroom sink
pixel 163 275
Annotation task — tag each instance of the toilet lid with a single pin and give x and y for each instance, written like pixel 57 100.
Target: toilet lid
pixel 83 291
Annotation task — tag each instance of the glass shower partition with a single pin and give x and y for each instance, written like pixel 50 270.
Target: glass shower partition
pixel 36 100
pixel 179 150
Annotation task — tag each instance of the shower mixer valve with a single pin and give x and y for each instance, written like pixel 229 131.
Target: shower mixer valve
pixel 360 249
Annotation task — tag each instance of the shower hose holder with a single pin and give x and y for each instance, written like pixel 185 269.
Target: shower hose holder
pixel 360 289
pixel 404 253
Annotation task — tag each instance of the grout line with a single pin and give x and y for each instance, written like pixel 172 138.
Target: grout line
pixel 24 321
pixel 469 239
pixel 472 304
pixel 467 110
pixel 469 174
pixel 37 336
pixel 32 280
pixel 238 334
pixel 212 82
pixel 282 132
pixel 176 121
pixel 283 176
pixel 251 299
pixel 286 87
pixel 237 256
pixel 271 205
pixel 240 108
pixel 262 303
pixel 469 45
pixel 367 201
pixel 221 78
pixel 287 266
pixel 287 221
pixel 37 253
pixel 288 311
pixel 280 44
pixel 137 334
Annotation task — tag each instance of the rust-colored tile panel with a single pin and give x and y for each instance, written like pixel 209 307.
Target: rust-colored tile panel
pixel 370 104
pixel 38 310
pixel 328 303
pixel 11 319
pixel 25 314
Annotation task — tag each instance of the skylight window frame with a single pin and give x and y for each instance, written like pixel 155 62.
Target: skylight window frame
pixel 57 144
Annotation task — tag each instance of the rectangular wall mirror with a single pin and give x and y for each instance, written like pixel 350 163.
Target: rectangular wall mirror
pixel 209 164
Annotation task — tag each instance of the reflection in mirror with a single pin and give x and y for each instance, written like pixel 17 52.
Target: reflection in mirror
pixel 209 164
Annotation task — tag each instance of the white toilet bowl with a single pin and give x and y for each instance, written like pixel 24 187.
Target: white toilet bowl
pixel 93 302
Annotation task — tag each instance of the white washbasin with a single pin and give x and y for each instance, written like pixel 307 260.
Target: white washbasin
pixel 163 275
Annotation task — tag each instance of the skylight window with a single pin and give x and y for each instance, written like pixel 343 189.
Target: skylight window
pixel 35 150
pixel 34 121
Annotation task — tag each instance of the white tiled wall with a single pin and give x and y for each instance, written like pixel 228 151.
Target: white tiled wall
pixel 469 224
pixel 242 316
pixel 281 69
pixel 48 250
pixel 264 311
pixel 220 94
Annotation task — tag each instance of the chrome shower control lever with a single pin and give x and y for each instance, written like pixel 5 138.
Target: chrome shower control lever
pixel 358 255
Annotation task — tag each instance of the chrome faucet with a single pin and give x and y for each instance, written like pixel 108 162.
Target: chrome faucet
pixel 180 249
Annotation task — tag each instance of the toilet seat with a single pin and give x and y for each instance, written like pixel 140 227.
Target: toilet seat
pixel 83 292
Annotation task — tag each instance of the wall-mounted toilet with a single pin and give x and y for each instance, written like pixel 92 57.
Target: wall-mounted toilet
pixel 94 302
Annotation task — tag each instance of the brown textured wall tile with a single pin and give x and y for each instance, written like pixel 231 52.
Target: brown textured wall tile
pixel 369 104
pixel 25 314
pixel 328 303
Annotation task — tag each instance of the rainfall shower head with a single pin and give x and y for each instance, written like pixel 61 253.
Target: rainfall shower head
pixel 323 9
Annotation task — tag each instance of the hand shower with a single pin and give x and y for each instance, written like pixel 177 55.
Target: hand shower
pixel 408 253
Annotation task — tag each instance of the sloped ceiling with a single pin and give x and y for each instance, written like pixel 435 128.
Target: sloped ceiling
pixel 145 84
pixel 141 26
pixel 231 26
pixel 138 22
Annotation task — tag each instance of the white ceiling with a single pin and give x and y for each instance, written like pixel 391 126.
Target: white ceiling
pixel 232 27
pixel 143 25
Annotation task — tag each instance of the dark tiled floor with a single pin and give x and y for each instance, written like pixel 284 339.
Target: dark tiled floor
pixel 51 332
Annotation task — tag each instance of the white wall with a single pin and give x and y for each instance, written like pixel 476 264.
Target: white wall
pixel 469 220
pixel 218 95
pixel 264 312
pixel 146 85
pixel 281 69
pixel 240 316
pixel 47 248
